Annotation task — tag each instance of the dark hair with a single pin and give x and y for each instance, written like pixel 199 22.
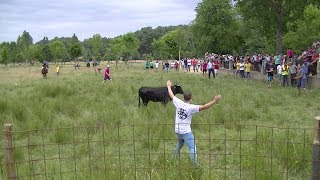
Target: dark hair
pixel 187 95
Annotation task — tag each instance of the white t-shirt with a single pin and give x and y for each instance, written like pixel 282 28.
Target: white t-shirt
pixel 184 113
pixel 279 69
pixel 241 66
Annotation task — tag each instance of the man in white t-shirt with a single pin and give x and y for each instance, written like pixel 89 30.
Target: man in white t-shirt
pixel 184 111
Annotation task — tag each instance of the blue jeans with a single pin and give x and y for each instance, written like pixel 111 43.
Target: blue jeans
pixel 187 139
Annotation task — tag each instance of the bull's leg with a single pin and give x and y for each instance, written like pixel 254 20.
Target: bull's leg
pixel 145 102
pixel 139 102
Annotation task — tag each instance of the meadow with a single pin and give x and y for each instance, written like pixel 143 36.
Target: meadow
pixel 236 139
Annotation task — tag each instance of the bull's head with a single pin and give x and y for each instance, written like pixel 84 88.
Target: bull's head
pixel 176 89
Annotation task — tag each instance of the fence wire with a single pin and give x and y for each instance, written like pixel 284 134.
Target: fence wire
pixel 146 152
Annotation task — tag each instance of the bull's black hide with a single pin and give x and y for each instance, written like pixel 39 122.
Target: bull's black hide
pixel 157 94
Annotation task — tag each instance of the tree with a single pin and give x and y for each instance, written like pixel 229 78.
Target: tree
pixel 131 45
pixel 180 38
pixel 75 49
pixel 24 41
pixel 303 33
pixel 35 52
pixel 46 53
pixel 173 44
pixel 96 46
pixel 4 56
pixel 58 50
pixel 124 47
pixel 215 27
pixel 166 47
pixel 272 15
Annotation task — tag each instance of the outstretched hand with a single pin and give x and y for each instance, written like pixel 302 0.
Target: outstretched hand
pixel 169 83
pixel 217 98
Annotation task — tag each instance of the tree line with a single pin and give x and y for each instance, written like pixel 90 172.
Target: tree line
pixel 222 26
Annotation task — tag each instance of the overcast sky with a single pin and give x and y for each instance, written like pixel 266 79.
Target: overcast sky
pixel 109 18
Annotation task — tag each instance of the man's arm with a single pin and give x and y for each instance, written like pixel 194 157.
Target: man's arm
pixel 211 103
pixel 169 84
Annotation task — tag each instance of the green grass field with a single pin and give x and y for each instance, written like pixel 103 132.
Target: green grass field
pixel 127 142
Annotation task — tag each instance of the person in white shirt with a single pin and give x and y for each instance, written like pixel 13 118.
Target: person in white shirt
pixel 210 68
pixel 279 72
pixel 184 111
pixel 157 65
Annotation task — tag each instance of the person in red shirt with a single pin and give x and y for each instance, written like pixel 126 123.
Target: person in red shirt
pixel 216 67
pixel 106 75
pixel 176 65
pixel 204 67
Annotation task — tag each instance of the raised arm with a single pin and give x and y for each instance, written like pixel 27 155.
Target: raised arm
pixel 211 103
pixel 169 84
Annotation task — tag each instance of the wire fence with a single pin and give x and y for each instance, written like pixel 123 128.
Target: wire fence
pixel 146 152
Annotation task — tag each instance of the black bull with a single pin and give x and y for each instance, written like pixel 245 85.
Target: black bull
pixel 157 94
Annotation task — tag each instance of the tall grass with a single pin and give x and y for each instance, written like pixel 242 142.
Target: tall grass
pixel 77 98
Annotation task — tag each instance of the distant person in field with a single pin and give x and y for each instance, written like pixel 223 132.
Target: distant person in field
pixel 107 75
pixel 270 70
pixel 147 65
pixel 247 68
pixel 157 65
pixel 204 67
pixel 279 72
pixel 57 70
pixel 183 117
pixel 176 65
pixel 302 78
pixel 285 74
pixel 238 67
pixel 210 69
pixel 167 65
pixel 293 73
pixel 151 65
pixel 242 69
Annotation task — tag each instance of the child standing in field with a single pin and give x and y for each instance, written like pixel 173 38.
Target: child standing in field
pixel 107 75
pixel 238 68
pixel 57 70
pixel 247 68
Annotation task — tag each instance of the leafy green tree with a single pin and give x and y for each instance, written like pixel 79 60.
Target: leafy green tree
pixel 35 53
pixel 58 50
pixel 75 49
pixel 304 32
pixel 46 53
pixel 24 41
pixel 124 47
pixel 131 45
pixel 97 46
pixel 271 16
pixel 171 45
pixel 4 56
pixel 215 27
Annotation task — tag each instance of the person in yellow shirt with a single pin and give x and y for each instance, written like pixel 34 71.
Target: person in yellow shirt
pixel 247 69
pixel 285 73
pixel 238 67
pixel 57 70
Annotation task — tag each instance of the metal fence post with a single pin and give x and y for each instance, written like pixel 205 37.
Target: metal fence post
pixel 316 151
pixel 9 152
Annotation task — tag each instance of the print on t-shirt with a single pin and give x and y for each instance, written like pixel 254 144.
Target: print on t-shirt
pixel 182 113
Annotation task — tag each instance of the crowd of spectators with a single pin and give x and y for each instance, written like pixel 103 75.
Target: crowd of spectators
pixel 284 66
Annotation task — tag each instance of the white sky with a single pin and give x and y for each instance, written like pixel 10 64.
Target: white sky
pixel 109 18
